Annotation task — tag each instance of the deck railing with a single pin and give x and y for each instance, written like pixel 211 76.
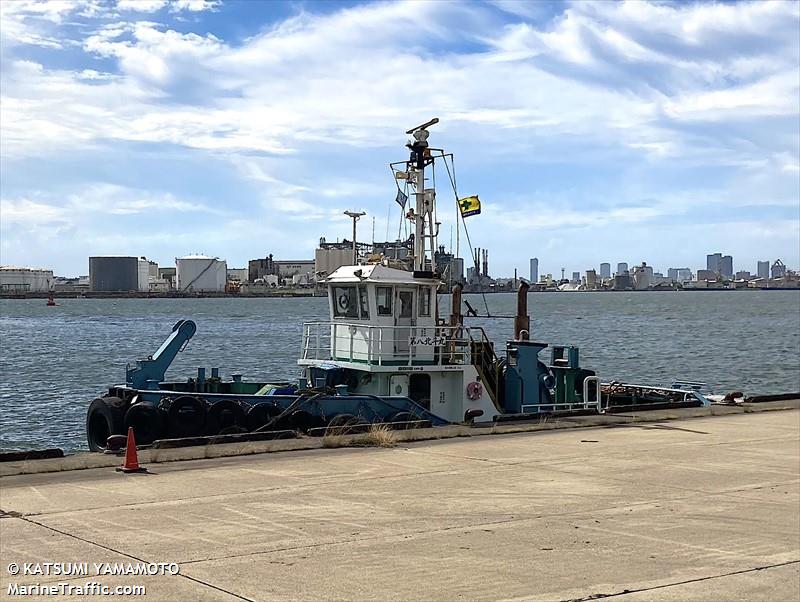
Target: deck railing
pixel 390 345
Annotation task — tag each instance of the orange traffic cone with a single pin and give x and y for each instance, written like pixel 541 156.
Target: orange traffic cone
pixel 131 463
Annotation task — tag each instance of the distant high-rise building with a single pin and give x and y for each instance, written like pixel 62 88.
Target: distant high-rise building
pixel 706 275
pixel 535 269
pixel 679 274
pixel 763 270
pixel 743 275
pixel 576 276
pixel 622 268
pixel 713 262
pixel 726 266
pixel 605 270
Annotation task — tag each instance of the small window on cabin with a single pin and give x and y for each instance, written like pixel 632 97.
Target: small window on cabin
pixel 425 301
pixel 345 302
pixel 384 300
pixel 363 302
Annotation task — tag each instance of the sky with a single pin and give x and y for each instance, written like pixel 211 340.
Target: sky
pixel 631 131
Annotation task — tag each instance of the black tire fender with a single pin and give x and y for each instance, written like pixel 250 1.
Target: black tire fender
pixel 186 416
pixel 147 422
pixel 222 414
pixel 300 420
pixel 402 417
pixel 343 420
pixel 260 414
pixel 105 417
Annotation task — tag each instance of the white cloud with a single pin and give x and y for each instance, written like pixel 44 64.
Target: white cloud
pixel 343 78
pixel 144 6
pixel 151 6
pixel 89 202
pixel 34 22
pixel 194 5
pixel 29 212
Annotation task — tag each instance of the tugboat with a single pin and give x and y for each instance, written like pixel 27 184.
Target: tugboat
pixel 385 355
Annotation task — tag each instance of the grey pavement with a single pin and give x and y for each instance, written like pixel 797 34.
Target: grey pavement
pixel 700 509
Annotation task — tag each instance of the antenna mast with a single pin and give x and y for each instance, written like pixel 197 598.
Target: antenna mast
pixel 356 215
pixel 420 157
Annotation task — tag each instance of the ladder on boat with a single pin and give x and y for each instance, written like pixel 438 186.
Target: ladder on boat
pixel 484 359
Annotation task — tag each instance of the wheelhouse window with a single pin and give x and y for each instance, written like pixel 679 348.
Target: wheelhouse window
pixel 345 302
pixel 363 302
pixel 425 301
pixel 384 300
pixel 406 304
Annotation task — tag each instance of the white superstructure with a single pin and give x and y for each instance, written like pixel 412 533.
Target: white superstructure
pixel 200 273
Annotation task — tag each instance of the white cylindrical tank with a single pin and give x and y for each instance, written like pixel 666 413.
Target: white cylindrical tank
pixel 144 274
pixel 199 273
pixel 25 280
pixel 642 277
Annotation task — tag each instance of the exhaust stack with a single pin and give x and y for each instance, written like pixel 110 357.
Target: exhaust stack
pixel 522 322
pixel 456 318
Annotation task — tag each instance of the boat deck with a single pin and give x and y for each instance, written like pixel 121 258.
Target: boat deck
pixel 694 509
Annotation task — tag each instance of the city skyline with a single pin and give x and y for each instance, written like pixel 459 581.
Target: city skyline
pixel 534 264
pixel 656 130
pixel 614 267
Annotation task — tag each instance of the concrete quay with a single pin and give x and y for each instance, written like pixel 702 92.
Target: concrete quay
pixel 700 509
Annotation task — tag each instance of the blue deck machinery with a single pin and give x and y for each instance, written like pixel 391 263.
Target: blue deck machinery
pixel 148 373
pixel 530 386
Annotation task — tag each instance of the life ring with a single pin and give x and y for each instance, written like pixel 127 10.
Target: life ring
pixel 474 390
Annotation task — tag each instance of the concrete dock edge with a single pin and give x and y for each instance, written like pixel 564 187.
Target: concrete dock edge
pixel 88 460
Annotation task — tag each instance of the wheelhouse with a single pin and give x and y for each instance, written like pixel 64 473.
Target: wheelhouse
pixel 379 315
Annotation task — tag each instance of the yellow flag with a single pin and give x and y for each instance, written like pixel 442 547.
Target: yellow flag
pixel 470 205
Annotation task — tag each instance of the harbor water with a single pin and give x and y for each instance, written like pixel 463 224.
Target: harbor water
pixel 54 360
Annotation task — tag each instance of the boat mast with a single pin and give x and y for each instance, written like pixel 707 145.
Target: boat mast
pixel 425 199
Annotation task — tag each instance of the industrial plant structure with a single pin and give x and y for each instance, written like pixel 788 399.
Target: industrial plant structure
pixel 25 280
pixel 200 273
pixel 113 273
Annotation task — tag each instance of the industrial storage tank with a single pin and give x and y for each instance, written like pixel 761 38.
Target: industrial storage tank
pixel 113 273
pixel 642 277
pixel 143 275
pixel 25 280
pixel 199 273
